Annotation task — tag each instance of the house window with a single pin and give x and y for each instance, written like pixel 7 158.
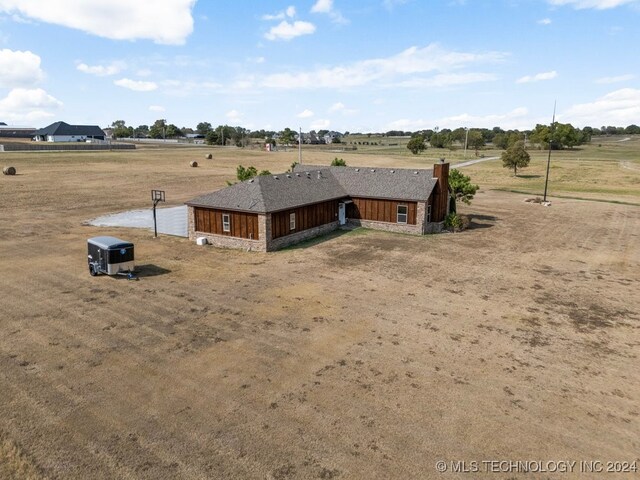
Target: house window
pixel 402 214
pixel 292 221
pixel 226 222
pixel 428 213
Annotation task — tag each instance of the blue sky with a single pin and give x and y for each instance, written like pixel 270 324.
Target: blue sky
pixel 367 66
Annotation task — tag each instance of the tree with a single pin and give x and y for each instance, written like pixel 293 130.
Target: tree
pixel 475 140
pixel 501 141
pixel 287 136
pixel 440 140
pixel 212 138
pixel 203 128
pixel 516 156
pixel 248 173
pixel 243 174
pixel 158 129
pixel 141 131
pixel 631 130
pixel 461 186
pixel 417 144
pixel 120 129
pixel 172 131
pixel 338 162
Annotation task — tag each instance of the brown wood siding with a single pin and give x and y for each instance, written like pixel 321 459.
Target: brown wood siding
pixel 307 217
pixel 242 225
pixel 380 210
pixel 440 195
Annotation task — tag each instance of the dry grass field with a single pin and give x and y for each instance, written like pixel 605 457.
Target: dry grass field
pixel 360 355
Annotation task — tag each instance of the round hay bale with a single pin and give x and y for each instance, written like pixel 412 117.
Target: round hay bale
pixel 193 163
pixel 9 170
pixel 208 156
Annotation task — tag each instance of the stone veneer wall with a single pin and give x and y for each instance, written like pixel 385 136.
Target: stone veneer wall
pixel 298 237
pixel 266 244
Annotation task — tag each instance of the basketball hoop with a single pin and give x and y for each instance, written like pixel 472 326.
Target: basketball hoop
pixel 157 196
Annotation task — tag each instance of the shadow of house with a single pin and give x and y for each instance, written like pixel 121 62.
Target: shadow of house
pixel 481 221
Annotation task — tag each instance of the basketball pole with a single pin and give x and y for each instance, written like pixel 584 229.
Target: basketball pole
pixel 546 179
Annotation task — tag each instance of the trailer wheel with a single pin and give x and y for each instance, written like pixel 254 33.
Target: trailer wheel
pixel 92 271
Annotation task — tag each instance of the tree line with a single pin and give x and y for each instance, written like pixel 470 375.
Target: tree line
pixel 562 135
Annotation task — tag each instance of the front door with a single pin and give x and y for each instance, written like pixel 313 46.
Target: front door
pixel 342 213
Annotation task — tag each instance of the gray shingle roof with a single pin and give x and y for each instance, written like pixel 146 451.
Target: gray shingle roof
pixel 62 128
pixel 312 184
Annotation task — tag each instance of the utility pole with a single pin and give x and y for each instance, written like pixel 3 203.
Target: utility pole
pixel 466 140
pixel 546 180
pixel 300 145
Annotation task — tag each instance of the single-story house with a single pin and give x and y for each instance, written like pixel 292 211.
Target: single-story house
pixel 269 212
pixel 16 132
pixel 63 132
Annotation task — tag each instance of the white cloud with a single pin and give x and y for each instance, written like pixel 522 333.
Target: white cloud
pixel 618 79
pixel 234 116
pixel 286 31
pixel 320 125
pixel 595 4
pixel 306 113
pixel 156 108
pixel 538 77
pixel 163 21
pixel 28 105
pixel 326 6
pixel 322 6
pixel 19 69
pixel 449 79
pixel 388 71
pixel 340 107
pixel 544 21
pixel 289 12
pixel 620 107
pixel 136 85
pixel 102 70
pixel 516 118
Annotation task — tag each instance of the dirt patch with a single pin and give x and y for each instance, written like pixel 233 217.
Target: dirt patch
pixel 364 355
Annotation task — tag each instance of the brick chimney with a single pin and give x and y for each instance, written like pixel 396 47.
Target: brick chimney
pixel 440 195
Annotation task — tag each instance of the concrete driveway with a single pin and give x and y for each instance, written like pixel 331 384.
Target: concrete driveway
pixel 171 220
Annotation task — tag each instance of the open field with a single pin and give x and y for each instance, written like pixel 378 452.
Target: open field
pixel 361 355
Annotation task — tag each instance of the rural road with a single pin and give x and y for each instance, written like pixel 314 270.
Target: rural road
pixel 473 162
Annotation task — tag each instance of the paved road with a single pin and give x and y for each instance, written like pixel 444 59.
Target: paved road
pixel 473 162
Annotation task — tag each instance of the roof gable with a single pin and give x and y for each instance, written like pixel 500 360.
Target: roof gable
pixel 309 184
pixel 62 128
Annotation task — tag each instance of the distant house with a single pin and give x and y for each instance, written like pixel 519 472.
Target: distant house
pixel 63 132
pixel 331 136
pixel 269 212
pixel 7 131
